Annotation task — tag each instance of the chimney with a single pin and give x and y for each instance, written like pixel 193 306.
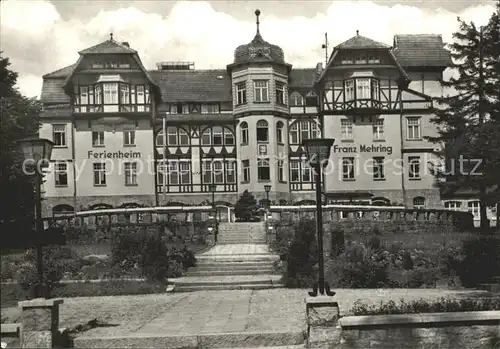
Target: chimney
pixel 126 44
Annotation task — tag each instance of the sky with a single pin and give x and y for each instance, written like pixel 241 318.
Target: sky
pixel 42 36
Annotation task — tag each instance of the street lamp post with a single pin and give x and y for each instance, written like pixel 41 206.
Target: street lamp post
pixel 37 152
pixel 213 189
pixel 318 153
pixel 267 188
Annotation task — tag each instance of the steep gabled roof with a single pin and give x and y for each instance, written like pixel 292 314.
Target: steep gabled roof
pixel 302 78
pixel 421 50
pixel 108 47
pixel 361 42
pixel 60 73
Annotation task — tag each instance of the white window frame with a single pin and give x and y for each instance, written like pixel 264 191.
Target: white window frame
pixel 280 93
pixel 241 92
pixel 244 132
pixel 230 172
pixel 293 133
pixel 346 129
pixel 413 128
pixel 60 171
pixel 474 207
pixel 279 132
pixel 228 136
pixel 183 137
pixel 297 100
pixel 363 88
pixel 98 138
pixel 206 169
pixel 261 91
pixel 348 169
pixel 281 171
pixel 128 137
pixel 130 170
pixel 210 108
pixel 59 135
pixel 99 174
pixel 417 204
pixel 378 130
pixel 262 164
pixel 245 170
pixel 110 96
pixel 378 167
pixel 295 174
pixel 453 205
pixel 184 172
pixel 414 167
pixel 349 90
pixel 262 125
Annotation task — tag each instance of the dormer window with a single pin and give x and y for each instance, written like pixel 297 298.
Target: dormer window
pixel 112 64
pixel 111 94
pixel 360 59
pixel 373 59
pixel 210 109
pixel 347 60
pixel 97 65
pixel 296 100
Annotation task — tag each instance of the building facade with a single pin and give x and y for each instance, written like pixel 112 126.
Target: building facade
pixel 127 136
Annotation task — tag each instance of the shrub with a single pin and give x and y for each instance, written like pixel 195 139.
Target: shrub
pixel 246 209
pixel 338 241
pixel 481 260
pixel 302 255
pixel 360 267
pixel 423 306
pixel 57 260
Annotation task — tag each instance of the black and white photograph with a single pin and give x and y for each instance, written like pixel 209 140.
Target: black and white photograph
pixel 253 175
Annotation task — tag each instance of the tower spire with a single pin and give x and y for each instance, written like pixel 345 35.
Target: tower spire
pixel 257 14
pixel 111 36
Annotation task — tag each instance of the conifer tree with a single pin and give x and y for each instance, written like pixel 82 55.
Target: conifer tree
pixel 246 208
pixel 467 118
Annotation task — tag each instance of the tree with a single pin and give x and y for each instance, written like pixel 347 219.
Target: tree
pixel 465 119
pixel 19 119
pixel 246 208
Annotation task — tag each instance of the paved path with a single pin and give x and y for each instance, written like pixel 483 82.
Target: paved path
pixel 217 311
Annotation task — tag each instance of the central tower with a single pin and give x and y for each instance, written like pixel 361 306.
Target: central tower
pixel 259 76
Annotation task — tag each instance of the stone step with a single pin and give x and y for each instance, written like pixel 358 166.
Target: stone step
pixel 240 258
pixel 226 280
pixel 213 287
pixel 232 340
pixel 493 288
pixel 233 266
pixel 240 241
pixel 229 272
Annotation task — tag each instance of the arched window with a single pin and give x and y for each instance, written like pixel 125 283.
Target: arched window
pixel 301 130
pixel 244 132
pixel 62 209
pixel 262 131
pixel 380 201
pixel 296 100
pixel 279 132
pixel 419 202
pixel 175 136
pixel 217 135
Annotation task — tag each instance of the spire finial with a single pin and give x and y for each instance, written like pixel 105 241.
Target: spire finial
pixel 111 36
pixel 257 13
pixel 357 32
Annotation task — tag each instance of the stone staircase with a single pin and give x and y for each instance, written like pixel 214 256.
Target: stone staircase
pixel 240 261
pixel 242 233
pixel 492 286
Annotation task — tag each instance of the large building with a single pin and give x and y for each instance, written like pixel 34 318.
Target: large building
pixel 241 127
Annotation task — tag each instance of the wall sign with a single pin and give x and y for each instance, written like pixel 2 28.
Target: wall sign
pixel 363 148
pixel 114 155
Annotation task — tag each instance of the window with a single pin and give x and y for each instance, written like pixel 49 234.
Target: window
pixel 378 168
pixel 346 129
pixel 128 137
pixel 241 93
pixel 349 90
pixel 374 94
pixel 363 89
pixel 413 128
pixel 207 172
pixel 111 97
pixel 183 137
pixel 217 135
pixel 125 94
pixel 59 135
pixel 206 137
pixel 218 172
pixel 311 100
pixel 281 171
pixel 61 174
pixel 261 91
pixel 306 172
pixel 173 172
pixel 474 208
pixel 97 65
pixel 179 172
pixel 414 167
pixel 453 205
pixel 263 171
pixel 98 138
pixel 231 171
pixel 245 169
pixel 360 60
pixel 262 131
pixel 419 202
pixel 373 59
pixel 347 60
pixel 209 108
pixel 280 93
pixel 279 132
pixel 99 174
pixel 294 171
pixel 348 168
pixel 160 139
pixel 296 100
pixel 244 132
pixel 378 130
pixel 131 173
pixel 228 137
pixel 294 133
pixel 161 171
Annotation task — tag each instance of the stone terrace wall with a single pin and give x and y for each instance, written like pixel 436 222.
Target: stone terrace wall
pixel 469 330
